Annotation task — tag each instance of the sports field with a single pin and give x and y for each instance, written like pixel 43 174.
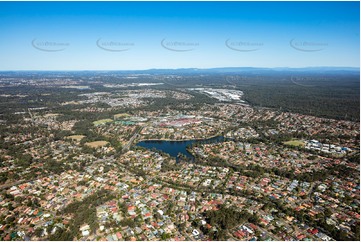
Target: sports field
pixel 75 137
pixel 295 143
pixel 97 144
pixel 102 121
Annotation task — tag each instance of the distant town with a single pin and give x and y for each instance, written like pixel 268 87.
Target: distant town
pixel 156 157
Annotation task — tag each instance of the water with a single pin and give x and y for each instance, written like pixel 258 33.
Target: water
pixel 173 148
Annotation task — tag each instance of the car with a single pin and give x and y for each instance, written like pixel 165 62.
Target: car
pixel 195 232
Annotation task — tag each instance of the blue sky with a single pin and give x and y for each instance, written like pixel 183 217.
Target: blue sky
pixel 144 35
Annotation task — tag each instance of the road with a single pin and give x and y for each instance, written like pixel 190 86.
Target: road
pixel 131 140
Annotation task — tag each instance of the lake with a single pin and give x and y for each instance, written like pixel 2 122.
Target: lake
pixel 173 148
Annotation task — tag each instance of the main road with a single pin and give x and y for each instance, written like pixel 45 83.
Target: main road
pixel 131 140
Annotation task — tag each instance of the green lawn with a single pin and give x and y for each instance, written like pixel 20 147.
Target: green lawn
pixel 102 121
pixel 295 143
pixel 121 115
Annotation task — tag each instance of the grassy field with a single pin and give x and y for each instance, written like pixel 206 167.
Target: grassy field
pixel 121 115
pixel 75 137
pixel 48 115
pixel 97 144
pixel 102 121
pixel 295 143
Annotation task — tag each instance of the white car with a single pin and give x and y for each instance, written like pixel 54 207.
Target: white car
pixel 195 232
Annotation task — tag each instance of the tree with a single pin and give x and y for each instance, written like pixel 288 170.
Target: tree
pixel 38 232
pixel 165 236
pixel 328 212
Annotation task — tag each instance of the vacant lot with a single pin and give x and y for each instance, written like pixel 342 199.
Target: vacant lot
pixel 97 144
pixel 75 137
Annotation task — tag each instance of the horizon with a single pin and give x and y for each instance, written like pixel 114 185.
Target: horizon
pixel 195 68
pixel 134 36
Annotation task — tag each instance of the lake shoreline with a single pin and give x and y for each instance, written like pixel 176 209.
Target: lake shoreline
pixel 183 140
pixel 176 147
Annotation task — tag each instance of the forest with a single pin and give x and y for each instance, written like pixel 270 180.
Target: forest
pixel 323 93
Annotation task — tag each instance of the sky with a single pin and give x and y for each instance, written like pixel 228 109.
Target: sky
pixel 162 35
